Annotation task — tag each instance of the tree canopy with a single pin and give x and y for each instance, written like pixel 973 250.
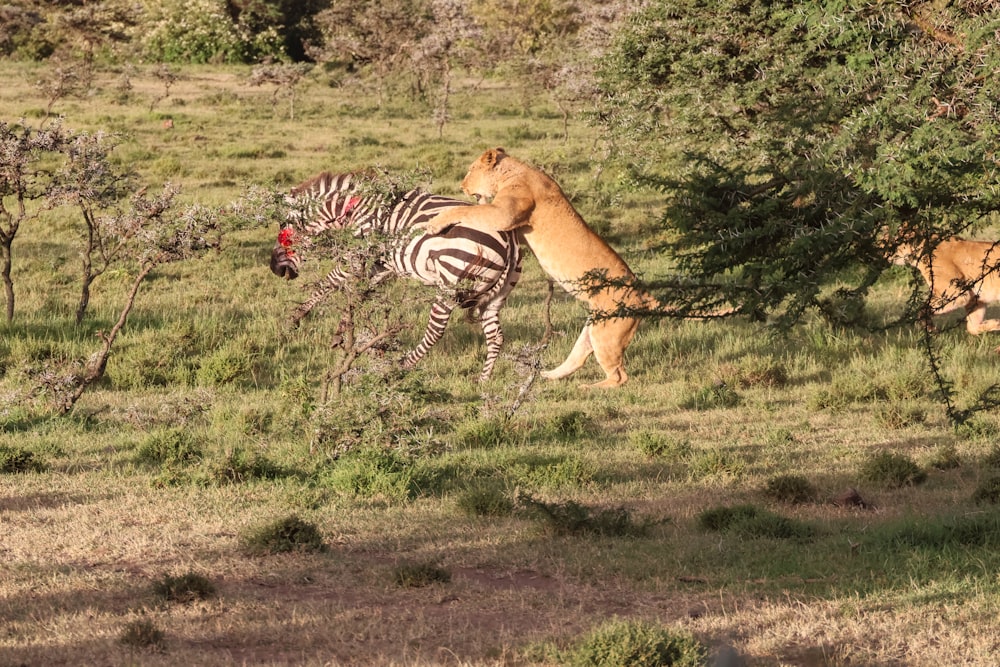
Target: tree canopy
pixel 795 139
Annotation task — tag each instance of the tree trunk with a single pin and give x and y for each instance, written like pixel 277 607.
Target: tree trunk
pixel 8 284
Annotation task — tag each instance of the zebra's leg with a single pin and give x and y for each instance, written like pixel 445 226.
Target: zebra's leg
pixel 490 321
pixel 331 282
pixel 440 312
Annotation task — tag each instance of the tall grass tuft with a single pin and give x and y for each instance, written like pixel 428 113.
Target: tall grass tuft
pixel 188 587
pixel 172 446
pixel 142 634
pixel 657 445
pixel 419 574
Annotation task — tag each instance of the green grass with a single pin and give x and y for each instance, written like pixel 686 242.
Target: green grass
pixel 701 484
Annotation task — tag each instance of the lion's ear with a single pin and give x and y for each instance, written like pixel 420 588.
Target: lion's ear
pixel 492 157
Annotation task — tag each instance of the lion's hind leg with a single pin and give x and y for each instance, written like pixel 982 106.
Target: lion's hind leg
pixel 609 339
pixel 976 322
pixel 577 357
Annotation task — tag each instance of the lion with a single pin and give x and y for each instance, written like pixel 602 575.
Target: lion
pixel 528 200
pixel 961 274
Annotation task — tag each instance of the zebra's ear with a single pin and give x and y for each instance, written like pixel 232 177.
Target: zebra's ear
pixel 492 157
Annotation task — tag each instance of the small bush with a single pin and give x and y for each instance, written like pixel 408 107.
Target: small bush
pixel 486 499
pixel 751 522
pixel 621 643
pixel 16 459
pixel 186 588
pixel 169 447
pixel 572 518
pixel 143 634
pixel 375 472
pixel 710 397
pixel 418 575
pixel 790 489
pixel 988 491
pixel 656 445
pixel 284 535
pixel 892 470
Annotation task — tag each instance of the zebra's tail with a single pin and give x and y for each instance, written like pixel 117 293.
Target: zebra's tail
pixel 500 285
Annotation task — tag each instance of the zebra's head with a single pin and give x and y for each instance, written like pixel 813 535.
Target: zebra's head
pixel 326 201
pixel 284 259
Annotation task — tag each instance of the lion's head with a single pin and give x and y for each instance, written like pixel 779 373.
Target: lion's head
pixel 482 181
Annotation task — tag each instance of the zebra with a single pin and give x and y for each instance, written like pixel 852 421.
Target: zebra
pixel 473 269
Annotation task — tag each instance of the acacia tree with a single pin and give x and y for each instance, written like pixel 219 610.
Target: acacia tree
pixel 97 188
pixel 794 139
pixel 150 231
pixel 792 135
pixel 23 187
pixel 373 33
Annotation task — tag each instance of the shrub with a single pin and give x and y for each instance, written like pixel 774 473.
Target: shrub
pixel 790 489
pixel 572 518
pixel 229 365
pixel 892 470
pixel 486 499
pixel 621 643
pixel 284 535
pixel 375 472
pixel 418 575
pixel 185 588
pixel 569 426
pixel 202 32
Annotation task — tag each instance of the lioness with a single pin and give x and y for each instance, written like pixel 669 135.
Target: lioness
pixel 568 250
pixel 961 274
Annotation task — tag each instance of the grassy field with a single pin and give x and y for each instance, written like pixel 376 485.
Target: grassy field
pixel 710 495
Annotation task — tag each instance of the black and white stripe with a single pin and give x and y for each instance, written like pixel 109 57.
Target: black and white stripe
pixel 472 269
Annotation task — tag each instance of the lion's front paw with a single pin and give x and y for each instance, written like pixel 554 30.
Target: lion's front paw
pixel 432 226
